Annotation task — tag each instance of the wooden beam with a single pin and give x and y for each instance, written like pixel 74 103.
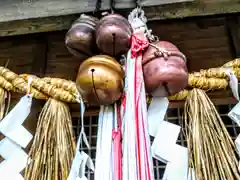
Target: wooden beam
pixel 26 9
pixel 24 17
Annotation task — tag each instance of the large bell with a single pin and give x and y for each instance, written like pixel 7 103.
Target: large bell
pixel 113 35
pixel 164 69
pixel 100 80
pixel 80 39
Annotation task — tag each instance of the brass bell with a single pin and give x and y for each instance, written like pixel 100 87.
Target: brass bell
pixel 80 39
pixel 100 80
pixel 113 35
pixel 164 66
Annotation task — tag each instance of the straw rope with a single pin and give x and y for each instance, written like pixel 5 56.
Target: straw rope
pixel 211 150
pixel 53 147
pixel 66 91
pixel 210 79
pixel 40 88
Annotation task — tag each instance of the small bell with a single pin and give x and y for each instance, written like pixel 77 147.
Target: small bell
pixel 113 35
pixel 164 64
pixel 80 39
pixel 100 80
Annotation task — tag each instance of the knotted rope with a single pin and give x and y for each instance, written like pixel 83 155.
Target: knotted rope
pixel 66 90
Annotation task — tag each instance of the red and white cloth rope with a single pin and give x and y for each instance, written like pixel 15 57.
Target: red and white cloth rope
pixel 137 159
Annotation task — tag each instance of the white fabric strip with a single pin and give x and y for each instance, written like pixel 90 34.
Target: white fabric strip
pixel 129 131
pixel 103 166
pixel 146 131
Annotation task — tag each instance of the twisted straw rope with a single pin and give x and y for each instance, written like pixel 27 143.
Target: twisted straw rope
pixel 210 79
pixel 40 88
pixel 66 91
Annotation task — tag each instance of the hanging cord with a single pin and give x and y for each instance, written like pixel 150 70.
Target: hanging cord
pixel 138 19
pixel 97 7
pixel 112 6
pixel 138 4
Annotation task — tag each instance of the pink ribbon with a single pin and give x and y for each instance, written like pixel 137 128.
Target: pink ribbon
pixel 138 45
pixel 117 146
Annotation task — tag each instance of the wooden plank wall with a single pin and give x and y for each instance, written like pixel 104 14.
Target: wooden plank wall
pixel 204 41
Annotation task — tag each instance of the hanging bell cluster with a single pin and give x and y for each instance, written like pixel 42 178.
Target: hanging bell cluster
pixel 100 78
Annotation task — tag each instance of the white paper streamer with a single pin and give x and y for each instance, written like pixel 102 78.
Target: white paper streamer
pixel 234 114
pixel 16 138
pixel 104 164
pixel 176 168
pixel 164 147
pixel 81 159
pixel 156 113
pixel 233 82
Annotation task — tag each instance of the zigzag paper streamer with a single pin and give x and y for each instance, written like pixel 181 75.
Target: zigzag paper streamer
pixel 81 159
pixel 16 138
pixel 234 114
pixel 164 147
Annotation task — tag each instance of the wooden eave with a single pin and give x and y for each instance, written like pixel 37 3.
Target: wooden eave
pixel 19 17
